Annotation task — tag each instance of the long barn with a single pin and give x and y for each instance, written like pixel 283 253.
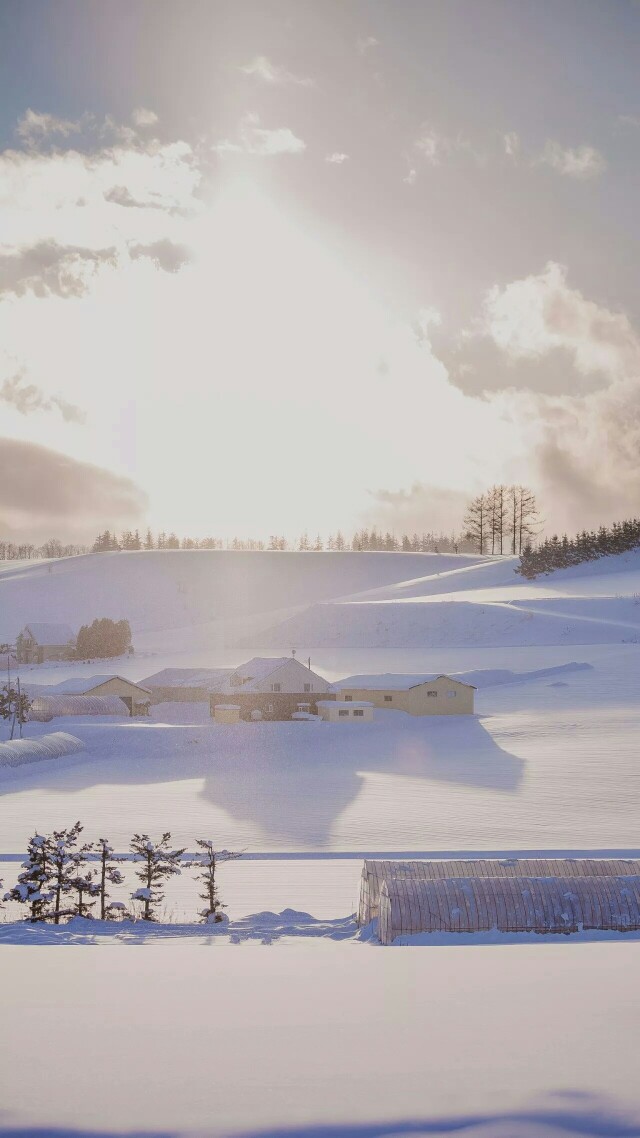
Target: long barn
pixel 508 904
pixel 374 873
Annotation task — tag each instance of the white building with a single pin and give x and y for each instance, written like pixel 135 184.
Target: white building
pixel 358 711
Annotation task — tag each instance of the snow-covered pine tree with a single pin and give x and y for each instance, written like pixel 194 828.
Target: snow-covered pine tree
pixel 87 887
pixel 67 861
pixel 109 873
pixel 157 862
pixel 33 887
pixel 207 863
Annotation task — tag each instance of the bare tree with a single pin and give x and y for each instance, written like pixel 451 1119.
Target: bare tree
pixel 476 522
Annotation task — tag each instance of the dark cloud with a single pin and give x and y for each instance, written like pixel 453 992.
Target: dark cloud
pixel 166 254
pixel 43 488
pixel 479 365
pixel 48 268
pixel 27 398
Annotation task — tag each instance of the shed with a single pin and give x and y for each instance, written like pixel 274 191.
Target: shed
pixel 358 711
pixel 509 904
pixel 185 685
pixel 135 697
pixel 375 873
pixel 226 713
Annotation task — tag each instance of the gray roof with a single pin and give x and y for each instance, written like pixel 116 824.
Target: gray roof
pixel 51 634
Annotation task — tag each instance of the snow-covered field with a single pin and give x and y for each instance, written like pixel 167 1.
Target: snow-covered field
pixel 327 1031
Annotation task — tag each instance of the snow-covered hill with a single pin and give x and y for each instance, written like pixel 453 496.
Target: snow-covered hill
pixel 197 602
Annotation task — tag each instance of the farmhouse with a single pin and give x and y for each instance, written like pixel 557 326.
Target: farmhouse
pixel 417 695
pixel 272 688
pixel 39 642
pixel 135 697
pixel 376 873
pixel 185 685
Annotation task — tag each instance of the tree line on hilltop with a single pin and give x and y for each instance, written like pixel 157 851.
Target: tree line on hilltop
pixel 369 540
pixel 561 552
pixel 64 878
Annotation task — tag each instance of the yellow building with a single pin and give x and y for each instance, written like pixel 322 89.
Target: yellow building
pixel 416 695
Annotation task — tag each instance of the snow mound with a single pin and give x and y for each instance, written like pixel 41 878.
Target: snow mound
pixel 19 752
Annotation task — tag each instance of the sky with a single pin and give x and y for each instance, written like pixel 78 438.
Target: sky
pixel 307 265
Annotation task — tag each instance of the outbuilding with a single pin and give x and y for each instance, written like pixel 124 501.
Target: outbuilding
pixel 359 711
pixel 135 697
pixel 436 694
pixel 226 713
pixel 40 642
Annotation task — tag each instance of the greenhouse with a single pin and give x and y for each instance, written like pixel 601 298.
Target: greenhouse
pixel 509 904
pixel 374 873
pixel 44 708
pixel 19 752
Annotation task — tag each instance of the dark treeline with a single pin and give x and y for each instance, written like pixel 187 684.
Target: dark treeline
pixel 362 540
pixel 561 552
pixel 103 639
pixel 64 877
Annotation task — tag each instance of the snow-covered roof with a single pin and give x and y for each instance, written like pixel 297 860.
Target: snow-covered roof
pixel 210 678
pixel 80 685
pixel 259 667
pixel 395 681
pixel 51 634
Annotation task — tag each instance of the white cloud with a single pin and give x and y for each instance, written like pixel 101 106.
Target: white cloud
pixel 582 162
pixel 337 158
pixel 262 68
pixel 142 117
pixel 255 139
pixel 410 177
pixel 538 314
pixel 511 142
pixel 27 398
pixel 34 126
pixel 431 146
pixel 365 44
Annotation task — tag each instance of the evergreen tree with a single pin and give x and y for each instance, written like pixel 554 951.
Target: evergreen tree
pixel 109 873
pixel 207 863
pixel 148 541
pixel 66 860
pixel 34 883
pixel 157 862
pixel 84 883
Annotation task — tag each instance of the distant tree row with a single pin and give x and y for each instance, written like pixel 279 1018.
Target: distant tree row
pixel 562 552
pixel 63 878
pixel 103 638
pixel 361 540
pixel 27 551
pixel 502 520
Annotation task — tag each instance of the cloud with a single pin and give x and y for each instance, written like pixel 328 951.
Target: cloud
pixel 365 44
pixel 511 142
pixel 143 117
pixel 581 448
pixel 337 158
pixel 40 487
pixel 411 177
pixel 166 254
pixel 27 398
pixel 424 508
pixel 262 68
pixel 46 268
pixel 254 139
pixel 583 162
pixel 534 316
pixel 436 147
pixel 33 126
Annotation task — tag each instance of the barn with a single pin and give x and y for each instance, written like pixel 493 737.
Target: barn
pixel 375 873
pixel 509 905
pixel 136 699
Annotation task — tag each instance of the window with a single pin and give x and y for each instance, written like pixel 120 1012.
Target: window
pixel 451 694
pixel 432 693
pixel 276 687
pixel 348 699
pixel 357 711
pixel 343 713
pixel 308 687
pixel 388 698
pixel 270 709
